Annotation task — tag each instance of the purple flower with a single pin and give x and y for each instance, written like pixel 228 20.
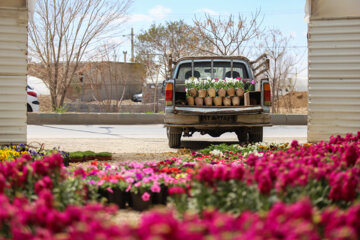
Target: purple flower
pixel 138 176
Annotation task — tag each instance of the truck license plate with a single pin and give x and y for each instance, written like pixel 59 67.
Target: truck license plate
pixel 218 119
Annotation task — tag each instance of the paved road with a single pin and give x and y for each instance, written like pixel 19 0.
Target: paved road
pixel 138 139
pixel 143 131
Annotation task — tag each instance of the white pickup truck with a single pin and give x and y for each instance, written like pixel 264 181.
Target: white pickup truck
pixel 246 120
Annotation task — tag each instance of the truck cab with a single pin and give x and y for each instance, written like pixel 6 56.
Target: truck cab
pixel 246 119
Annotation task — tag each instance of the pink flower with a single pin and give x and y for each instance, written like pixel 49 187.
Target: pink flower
pixel 110 190
pixel 253 82
pixel 145 197
pixel 155 188
pixel 238 78
pixel 80 172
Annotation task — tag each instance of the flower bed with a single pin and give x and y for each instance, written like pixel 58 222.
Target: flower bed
pixel 258 191
pixel 27 178
pixel 235 178
pixel 11 152
pixel 328 173
pixel 41 220
pixel 217 92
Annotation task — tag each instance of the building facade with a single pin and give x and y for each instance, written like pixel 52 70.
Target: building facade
pixel 334 68
pixel 13 70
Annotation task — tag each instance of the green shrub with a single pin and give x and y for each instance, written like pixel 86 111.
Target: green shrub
pixel 103 154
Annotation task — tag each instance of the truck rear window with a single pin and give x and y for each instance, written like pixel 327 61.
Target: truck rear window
pixel 203 70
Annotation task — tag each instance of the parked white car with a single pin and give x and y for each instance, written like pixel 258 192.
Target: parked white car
pixel 33 104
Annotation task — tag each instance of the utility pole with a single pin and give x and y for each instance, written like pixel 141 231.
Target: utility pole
pixel 132 45
pixel 124 52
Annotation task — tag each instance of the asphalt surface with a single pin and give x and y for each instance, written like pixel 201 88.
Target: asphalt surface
pixel 139 142
pixel 143 131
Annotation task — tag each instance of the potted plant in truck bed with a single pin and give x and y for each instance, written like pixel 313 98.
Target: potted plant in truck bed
pixel 191 91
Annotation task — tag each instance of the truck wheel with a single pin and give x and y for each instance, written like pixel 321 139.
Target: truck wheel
pixel 174 137
pixel 256 134
pixel 242 136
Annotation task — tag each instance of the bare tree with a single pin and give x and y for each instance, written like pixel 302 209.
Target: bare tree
pixel 63 33
pixel 227 35
pixel 283 62
pixel 156 43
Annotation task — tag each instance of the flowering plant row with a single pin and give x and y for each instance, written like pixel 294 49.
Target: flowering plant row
pixel 265 173
pixel 12 151
pixel 217 84
pixel 41 220
pixel 28 178
pixel 217 92
pixel 328 173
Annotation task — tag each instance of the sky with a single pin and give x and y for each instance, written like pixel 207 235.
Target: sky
pixel 286 15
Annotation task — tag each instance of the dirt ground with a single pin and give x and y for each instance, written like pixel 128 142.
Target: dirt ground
pixel 294 102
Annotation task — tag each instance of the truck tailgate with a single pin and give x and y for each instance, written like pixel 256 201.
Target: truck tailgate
pixel 218 110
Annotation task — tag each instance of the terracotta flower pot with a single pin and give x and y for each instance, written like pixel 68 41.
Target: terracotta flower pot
pixel 221 92
pixel 235 101
pixel 239 92
pixel 199 101
pixel 227 101
pixel 193 92
pixel 212 92
pixel 202 93
pixel 208 101
pixel 218 101
pixel 231 92
pixel 190 101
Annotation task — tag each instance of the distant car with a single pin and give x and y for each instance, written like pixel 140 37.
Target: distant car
pixel 33 104
pixel 137 97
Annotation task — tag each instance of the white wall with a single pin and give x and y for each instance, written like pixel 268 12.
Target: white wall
pixel 13 69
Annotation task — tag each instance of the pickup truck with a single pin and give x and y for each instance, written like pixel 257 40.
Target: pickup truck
pixel 246 120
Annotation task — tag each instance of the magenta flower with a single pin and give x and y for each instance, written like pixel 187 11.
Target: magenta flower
pixel 145 197
pixel 176 190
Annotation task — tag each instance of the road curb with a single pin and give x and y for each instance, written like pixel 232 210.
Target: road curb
pixel 289 119
pixel 132 119
pixel 94 118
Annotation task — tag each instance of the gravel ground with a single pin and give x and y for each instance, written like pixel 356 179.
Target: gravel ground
pixel 137 147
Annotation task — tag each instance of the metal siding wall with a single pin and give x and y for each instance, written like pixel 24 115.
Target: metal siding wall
pixel 13 70
pixel 334 78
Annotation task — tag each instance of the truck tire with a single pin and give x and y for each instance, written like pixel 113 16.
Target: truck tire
pixel 256 134
pixel 174 137
pixel 242 135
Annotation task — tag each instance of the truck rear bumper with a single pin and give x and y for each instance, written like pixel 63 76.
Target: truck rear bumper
pixel 217 110
pixel 236 120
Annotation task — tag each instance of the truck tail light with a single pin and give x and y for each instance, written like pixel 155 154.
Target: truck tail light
pixel 267 94
pixel 32 94
pixel 169 94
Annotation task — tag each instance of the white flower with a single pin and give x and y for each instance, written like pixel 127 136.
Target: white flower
pixel 216 152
